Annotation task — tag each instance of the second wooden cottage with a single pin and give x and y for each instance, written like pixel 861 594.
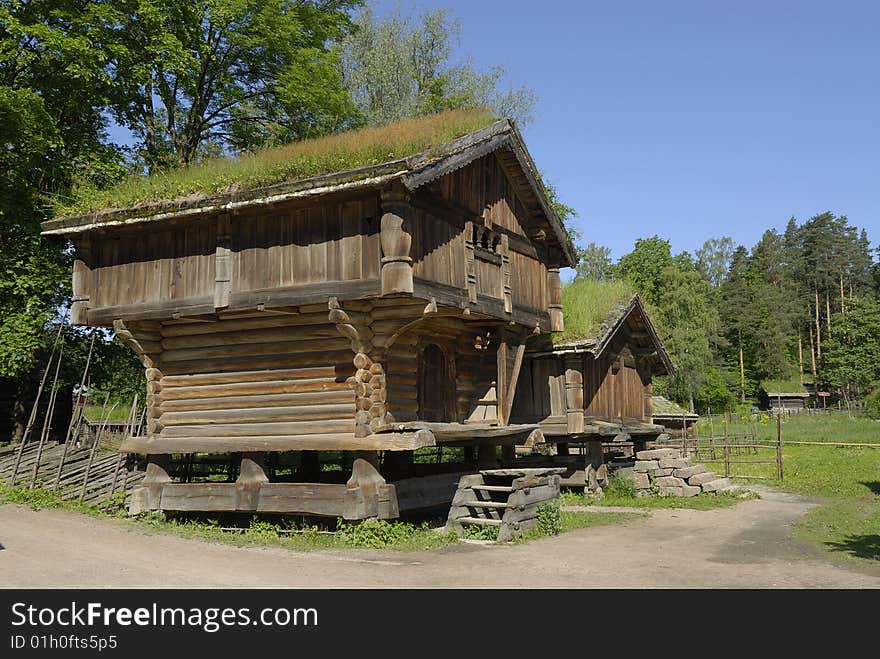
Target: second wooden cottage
pixel 372 311
pixel 591 387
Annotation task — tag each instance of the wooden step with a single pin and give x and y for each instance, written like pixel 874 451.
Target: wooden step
pixel 492 488
pixel 473 503
pixel 479 521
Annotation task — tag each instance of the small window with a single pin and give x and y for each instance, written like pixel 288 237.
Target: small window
pixel 487 245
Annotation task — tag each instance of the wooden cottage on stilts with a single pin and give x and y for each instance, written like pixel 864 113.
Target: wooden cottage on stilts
pixel 591 395
pixel 366 313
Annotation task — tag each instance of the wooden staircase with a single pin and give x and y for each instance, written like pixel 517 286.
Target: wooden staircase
pixel 506 498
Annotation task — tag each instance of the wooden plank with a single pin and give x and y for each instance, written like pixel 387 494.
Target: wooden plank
pixel 256 429
pixel 316 442
pixel 250 388
pixel 304 294
pixel 256 401
pixel 235 377
pixel 259 414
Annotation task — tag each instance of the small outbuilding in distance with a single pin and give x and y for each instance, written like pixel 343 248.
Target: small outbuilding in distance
pixel 353 298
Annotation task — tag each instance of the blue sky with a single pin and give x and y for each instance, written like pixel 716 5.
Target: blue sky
pixel 692 120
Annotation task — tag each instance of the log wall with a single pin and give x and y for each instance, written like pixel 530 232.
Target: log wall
pixel 252 375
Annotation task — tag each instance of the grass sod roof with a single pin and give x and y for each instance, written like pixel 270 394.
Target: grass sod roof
pixel 663 407
pixel 413 151
pixel 594 311
pixel 588 305
pixel 790 386
pixel 350 150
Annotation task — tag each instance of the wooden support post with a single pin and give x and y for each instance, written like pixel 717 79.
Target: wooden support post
pixel 574 393
pixel 554 308
pixel 149 496
pixel 223 262
pixel 726 452
pixel 595 455
pixel 507 290
pixel 470 262
pixel 367 494
pixel 79 305
pixel 779 447
pixel 397 269
pixel 508 455
pixel 250 477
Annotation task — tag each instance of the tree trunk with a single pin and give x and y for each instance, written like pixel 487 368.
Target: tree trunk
pixel 828 311
pixel 842 304
pixel 21 409
pixel 742 371
pixel 818 326
pixel 812 357
pixel 800 356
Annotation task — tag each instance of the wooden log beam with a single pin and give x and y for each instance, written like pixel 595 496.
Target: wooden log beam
pixel 407 441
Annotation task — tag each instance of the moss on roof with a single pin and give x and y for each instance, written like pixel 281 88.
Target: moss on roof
pixel 790 386
pixel 662 406
pixel 587 303
pixel 291 162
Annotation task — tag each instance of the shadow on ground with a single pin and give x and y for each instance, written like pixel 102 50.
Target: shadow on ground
pixel 874 486
pixel 862 546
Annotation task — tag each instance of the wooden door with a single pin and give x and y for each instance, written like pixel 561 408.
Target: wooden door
pixel 435 385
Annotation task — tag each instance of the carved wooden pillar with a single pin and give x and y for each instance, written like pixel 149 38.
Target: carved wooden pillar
pixel 470 262
pixel 79 307
pixel 507 291
pixel 554 308
pixel 574 393
pixel 223 263
pixel 397 268
pixel 369 381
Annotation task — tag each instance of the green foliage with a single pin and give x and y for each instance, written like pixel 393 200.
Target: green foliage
pixel 587 303
pixel 474 532
pixel 691 328
pixel 872 403
pixel 594 262
pixel 550 518
pixel 380 534
pixel 194 78
pixel 644 267
pixel 714 258
pixel 348 150
pixel 620 487
pixel 852 353
pixel 400 67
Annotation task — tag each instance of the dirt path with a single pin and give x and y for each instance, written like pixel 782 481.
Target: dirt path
pixel 747 546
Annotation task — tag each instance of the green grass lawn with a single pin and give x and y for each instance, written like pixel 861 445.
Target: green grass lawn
pixel 845 478
pixel 118 413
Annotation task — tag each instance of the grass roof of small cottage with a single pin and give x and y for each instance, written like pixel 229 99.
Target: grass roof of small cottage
pixel 350 150
pixel 588 304
pixel 789 386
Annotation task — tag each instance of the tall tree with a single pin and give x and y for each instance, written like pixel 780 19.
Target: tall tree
pixel 227 75
pixel 852 354
pixel 692 327
pixel 713 259
pixel 644 266
pixel 53 88
pixel 402 67
pixel 594 262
